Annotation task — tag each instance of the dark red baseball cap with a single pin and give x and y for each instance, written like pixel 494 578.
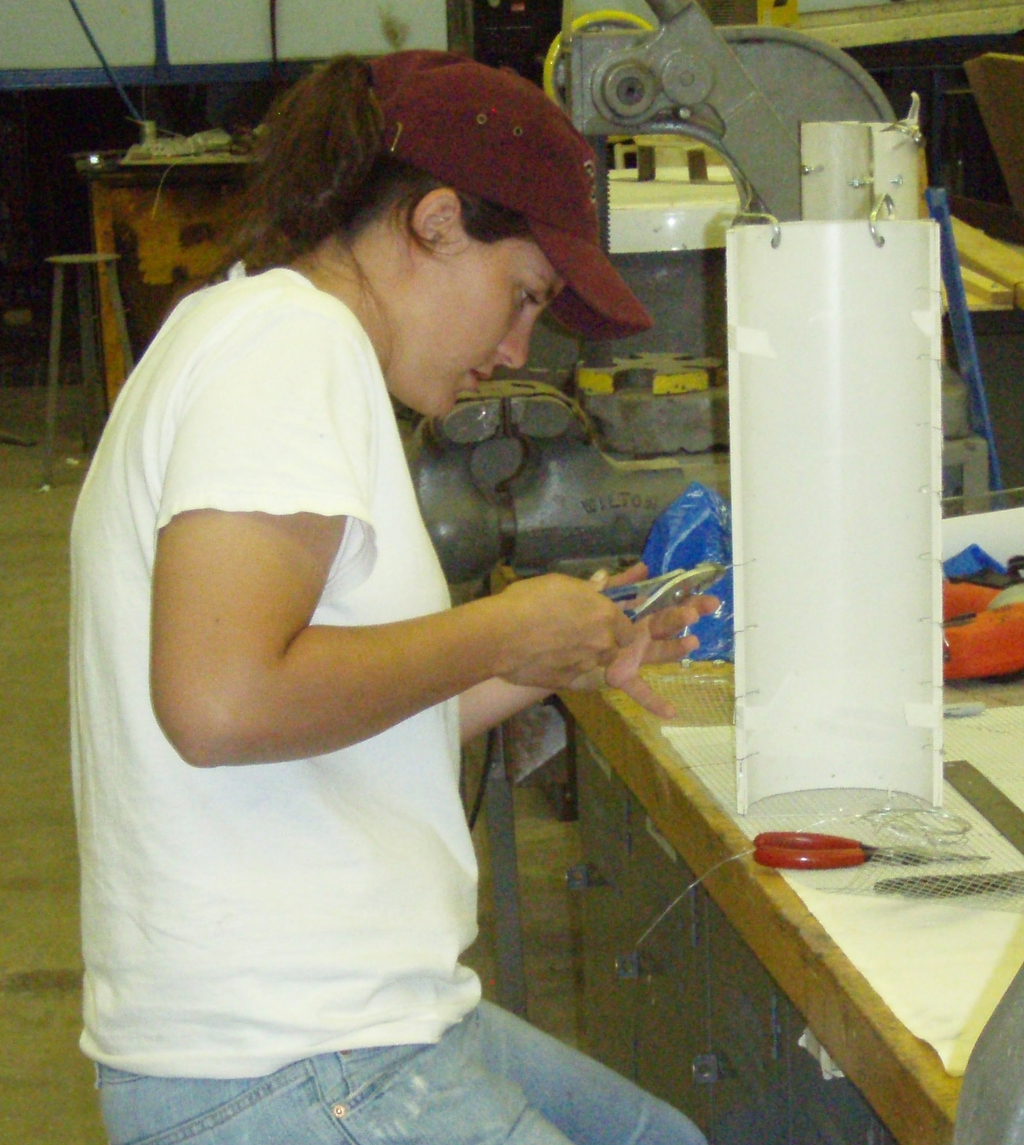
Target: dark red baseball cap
pixel 489 132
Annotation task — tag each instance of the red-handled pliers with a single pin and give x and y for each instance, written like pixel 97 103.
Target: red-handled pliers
pixel 806 850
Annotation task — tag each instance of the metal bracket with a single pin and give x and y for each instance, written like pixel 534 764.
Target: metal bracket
pixel 886 204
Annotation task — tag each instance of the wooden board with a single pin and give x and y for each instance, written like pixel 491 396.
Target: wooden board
pixel 997 81
pixel 991 258
pixel 115 364
pixel 912 20
pixel 899 1075
pixel 171 228
pixel 998 220
pixel 986 290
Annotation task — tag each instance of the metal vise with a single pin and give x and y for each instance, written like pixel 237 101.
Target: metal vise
pixel 515 474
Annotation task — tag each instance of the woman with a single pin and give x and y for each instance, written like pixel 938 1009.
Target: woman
pixel 269 686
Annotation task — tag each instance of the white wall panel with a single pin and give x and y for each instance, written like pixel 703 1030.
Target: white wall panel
pixel 306 26
pixel 46 34
pixel 218 31
pixel 238 31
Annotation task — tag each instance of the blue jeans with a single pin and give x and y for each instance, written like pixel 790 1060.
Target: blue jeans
pixel 492 1078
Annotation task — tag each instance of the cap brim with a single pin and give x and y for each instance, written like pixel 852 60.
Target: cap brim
pixel 595 301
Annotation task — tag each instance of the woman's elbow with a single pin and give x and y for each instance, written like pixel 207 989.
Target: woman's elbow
pixel 205 730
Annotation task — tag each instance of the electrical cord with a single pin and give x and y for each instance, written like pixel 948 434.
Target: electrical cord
pixel 682 894
pixel 106 67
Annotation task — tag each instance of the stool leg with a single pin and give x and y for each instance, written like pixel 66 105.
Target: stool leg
pixel 89 355
pixel 53 375
pixel 122 325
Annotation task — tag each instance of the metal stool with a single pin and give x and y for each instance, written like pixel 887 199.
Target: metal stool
pixel 95 404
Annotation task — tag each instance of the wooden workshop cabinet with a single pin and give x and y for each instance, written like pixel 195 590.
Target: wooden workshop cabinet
pixel 670 1017
pixel 604 810
pixel 683 1007
pixel 169 226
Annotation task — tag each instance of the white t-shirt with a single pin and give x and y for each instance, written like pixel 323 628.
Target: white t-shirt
pixel 239 918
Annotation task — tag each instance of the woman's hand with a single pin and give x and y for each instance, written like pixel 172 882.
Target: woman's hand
pixel 652 640
pixel 555 628
pixel 656 640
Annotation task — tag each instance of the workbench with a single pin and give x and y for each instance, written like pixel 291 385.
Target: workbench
pixel 169 224
pixel 650 828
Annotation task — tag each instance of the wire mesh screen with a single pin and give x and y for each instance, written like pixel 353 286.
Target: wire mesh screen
pixel 923 852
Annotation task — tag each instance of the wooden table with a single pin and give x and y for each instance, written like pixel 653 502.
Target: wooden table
pixel 169 225
pixel 900 1076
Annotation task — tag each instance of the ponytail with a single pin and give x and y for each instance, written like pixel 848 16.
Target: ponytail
pixel 316 148
pixel 322 170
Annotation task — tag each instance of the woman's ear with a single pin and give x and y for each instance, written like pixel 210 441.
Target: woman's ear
pixel 436 219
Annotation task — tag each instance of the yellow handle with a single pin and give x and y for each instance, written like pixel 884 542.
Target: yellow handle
pixel 603 16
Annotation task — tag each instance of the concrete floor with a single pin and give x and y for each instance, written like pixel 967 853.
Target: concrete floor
pixel 46 1091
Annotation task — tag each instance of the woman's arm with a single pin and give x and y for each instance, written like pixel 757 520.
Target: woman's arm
pixel 489 703
pixel 238 674
pixel 654 642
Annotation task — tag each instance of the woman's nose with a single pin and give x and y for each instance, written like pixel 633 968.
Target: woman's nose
pixel 514 348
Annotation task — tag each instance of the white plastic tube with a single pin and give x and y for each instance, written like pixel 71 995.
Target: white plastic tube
pixel 836 179
pixel 848 167
pixel 895 165
pixel 835 432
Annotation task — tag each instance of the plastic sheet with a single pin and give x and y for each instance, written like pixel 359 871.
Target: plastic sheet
pixel 694 529
pixel 971 561
pixel 835 430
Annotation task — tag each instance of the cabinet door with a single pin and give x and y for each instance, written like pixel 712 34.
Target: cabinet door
pixel 750 1098
pixel 827 1110
pixel 671 1006
pixel 608 992
pixel 675 999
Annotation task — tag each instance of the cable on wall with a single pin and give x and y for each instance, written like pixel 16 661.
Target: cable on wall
pixel 106 67
pixel 273 40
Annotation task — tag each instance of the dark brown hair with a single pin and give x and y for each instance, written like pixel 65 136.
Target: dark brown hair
pixel 322 170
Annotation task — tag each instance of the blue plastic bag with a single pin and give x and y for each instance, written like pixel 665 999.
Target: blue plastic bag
pixel 970 561
pixel 695 528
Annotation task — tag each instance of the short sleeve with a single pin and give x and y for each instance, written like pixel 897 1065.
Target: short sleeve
pixel 281 417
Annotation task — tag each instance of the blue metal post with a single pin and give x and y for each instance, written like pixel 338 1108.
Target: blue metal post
pixel 963 331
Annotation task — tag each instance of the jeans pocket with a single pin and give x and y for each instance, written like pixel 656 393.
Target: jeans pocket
pixel 441 1097
pixel 368 1072
pixel 200 1111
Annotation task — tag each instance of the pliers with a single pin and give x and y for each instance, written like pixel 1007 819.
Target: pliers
pixel 666 591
